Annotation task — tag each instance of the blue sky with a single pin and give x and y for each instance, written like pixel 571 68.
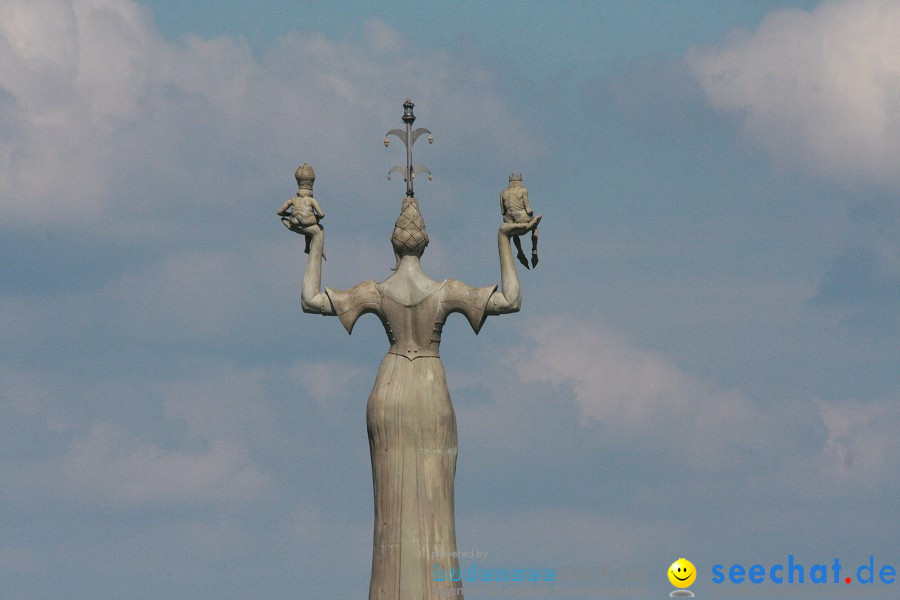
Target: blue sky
pixel 705 365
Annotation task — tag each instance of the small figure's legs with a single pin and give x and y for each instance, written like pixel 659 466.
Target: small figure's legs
pixel 534 238
pixel 520 254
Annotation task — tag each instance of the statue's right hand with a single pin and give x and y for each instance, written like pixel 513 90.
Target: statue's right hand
pixel 313 230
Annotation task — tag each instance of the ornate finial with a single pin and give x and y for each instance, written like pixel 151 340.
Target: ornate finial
pixel 408 116
pixel 408 137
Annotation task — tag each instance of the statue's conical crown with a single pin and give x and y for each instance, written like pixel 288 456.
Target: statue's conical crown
pixel 409 235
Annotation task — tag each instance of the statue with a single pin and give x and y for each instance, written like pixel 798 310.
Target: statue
pixel 515 208
pixel 410 419
pixel 302 212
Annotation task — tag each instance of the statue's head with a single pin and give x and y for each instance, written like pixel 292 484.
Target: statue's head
pixel 409 236
pixel 515 180
pixel 305 177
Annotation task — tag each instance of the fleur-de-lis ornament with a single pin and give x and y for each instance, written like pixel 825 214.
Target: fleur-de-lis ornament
pixel 408 137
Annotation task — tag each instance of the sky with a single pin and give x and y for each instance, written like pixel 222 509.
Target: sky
pixel 706 360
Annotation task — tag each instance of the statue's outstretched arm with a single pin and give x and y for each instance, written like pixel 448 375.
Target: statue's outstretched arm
pixel 509 298
pixel 312 298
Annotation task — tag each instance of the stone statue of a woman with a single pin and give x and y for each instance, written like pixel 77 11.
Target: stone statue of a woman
pixel 411 423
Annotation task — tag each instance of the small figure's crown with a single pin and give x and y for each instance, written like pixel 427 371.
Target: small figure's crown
pixel 515 177
pixel 305 176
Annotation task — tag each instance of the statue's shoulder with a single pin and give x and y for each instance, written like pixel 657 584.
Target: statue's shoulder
pixel 366 286
pixel 349 305
pixel 364 292
pixel 459 293
pixel 451 285
pixel 472 302
pixel 456 286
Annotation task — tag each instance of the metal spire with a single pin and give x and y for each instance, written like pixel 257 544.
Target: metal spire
pixel 408 137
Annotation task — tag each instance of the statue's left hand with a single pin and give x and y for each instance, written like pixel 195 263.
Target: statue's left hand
pixel 511 229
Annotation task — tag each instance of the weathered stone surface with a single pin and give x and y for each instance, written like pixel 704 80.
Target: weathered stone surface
pixel 409 415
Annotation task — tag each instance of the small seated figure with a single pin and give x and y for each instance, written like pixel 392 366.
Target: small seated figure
pixel 302 211
pixel 515 208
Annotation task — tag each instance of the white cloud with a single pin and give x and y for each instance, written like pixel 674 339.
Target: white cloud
pixel 819 88
pixel 111 465
pixel 70 72
pixel 102 116
pixel 198 452
pixel 598 388
pixel 187 295
pixel 325 381
pixel 614 380
pixel 637 393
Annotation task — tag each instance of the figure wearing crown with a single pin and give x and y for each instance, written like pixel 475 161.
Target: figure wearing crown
pixel 302 212
pixel 515 208
pixel 410 419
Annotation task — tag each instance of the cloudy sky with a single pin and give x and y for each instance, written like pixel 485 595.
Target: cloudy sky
pixel 705 365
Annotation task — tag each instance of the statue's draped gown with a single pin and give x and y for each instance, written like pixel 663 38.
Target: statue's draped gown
pixel 412 436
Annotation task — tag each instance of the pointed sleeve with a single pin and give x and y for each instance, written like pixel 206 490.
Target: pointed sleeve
pixel 350 304
pixel 470 301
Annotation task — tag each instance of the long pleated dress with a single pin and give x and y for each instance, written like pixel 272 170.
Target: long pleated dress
pixel 412 438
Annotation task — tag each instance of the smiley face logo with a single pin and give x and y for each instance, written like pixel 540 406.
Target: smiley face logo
pixel 682 573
